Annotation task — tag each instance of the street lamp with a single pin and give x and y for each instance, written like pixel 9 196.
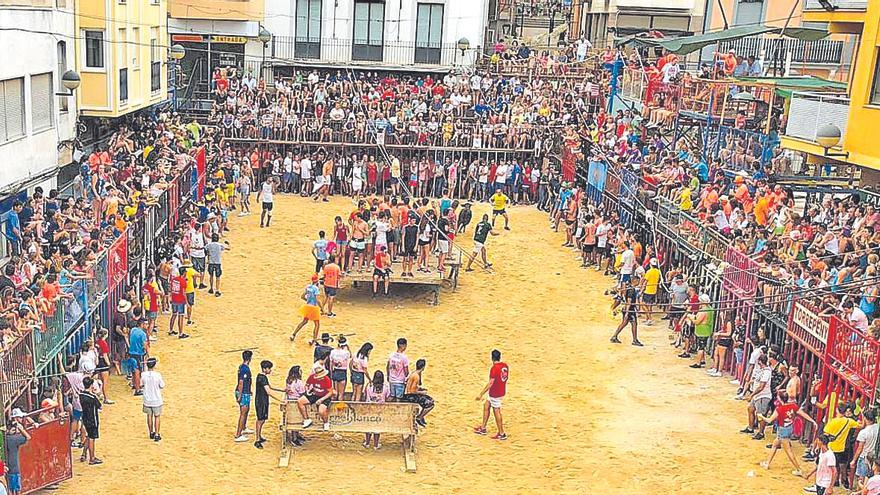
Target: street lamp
pixel 176 54
pixel 265 37
pixel 70 80
pixel 462 44
pixel 828 136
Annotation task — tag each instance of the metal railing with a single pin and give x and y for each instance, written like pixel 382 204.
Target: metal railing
pixel 766 48
pixel 840 4
pixel 348 50
pixel 809 111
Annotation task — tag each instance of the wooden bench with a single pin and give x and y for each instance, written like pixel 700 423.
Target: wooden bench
pixel 434 279
pixel 355 417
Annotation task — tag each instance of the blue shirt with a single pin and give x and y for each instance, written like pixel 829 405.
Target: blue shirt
pixel 312 292
pixel 12 222
pixel 137 341
pixel 321 249
pixel 702 171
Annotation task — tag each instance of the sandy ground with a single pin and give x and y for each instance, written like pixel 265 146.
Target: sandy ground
pixel 583 415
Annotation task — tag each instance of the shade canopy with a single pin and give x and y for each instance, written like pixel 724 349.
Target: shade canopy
pixel 688 44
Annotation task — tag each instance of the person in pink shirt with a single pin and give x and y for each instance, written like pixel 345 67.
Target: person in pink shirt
pixel 398 369
pixel 293 390
pixel 377 392
pixel 358 367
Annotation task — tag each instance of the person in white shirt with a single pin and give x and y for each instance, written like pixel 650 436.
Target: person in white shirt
pixel 153 385
pixel 627 264
pixel 306 167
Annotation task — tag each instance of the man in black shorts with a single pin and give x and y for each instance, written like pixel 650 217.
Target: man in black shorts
pixel 410 243
pixel 481 233
pixel 91 405
pixel 630 303
pixel 262 392
pixel 267 197
pixel 319 390
pixel 415 393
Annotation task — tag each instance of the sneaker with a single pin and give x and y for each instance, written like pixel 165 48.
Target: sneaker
pixel 747 429
pixel 307 423
pixel 734 382
pixel 810 489
pixel 798 473
pixel 635 343
pixel 241 438
pixel 152 435
pixel 248 431
pixel 210 291
pixel 765 465
pixel 258 444
pixel 157 437
pixel 710 371
pixel 479 430
pixel 716 374
pixel 326 426
pixel 499 436
pixel 758 436
pixel 183 336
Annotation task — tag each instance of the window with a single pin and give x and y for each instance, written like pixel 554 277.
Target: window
pixel 875 89
pixel 308 29
pixel 12 106
pixel 94 49
pixel 429 33
pixel 369 21
pixel 42 95
pixel 155 64
pixel 122 48
pixel 62 68
pixel 123 85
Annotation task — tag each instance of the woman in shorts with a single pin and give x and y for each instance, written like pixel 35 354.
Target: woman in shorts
pixel 784 414
pixel 358 367
pixel 340 359
pixel 293 390
pixel 378 392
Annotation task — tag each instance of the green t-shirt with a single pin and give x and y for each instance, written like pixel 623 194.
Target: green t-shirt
pixel 706 328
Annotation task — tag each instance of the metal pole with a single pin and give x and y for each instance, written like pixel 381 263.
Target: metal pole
pixel 174 85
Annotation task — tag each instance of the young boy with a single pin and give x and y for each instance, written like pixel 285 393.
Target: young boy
pixel 261 399
pixel 153 385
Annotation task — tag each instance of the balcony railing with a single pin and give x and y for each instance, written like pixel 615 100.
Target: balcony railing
pixel 346 50
pixel 809 111
pixel 810 52
pixel 840 4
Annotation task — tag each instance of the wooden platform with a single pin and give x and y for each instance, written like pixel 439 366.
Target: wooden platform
pixel 434 279
pixel 355 417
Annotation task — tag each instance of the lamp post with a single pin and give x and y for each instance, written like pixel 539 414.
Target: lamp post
pixel 828 136
pixel 176 53
pixel 70 80
pixel 463 44
pixel 265 37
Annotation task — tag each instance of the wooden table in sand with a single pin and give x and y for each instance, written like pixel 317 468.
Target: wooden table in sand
pixel 355 417
pixel 434 279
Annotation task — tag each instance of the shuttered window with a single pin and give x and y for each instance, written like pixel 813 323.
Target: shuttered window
pixel 12 107
pixel 41 101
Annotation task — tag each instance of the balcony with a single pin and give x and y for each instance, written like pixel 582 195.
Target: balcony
pixel 809 111
pixel 337 50
pixel 807 52
pixel 840 4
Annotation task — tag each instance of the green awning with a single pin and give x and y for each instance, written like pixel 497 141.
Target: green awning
pixel 689 44
pixel 786 85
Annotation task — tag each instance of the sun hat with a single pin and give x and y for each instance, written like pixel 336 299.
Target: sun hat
pixel 124 306
pixel 319 371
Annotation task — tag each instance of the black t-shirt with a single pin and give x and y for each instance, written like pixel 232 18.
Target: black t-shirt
pixel 410 235
pixel 443 228
pixel 90 407
pixel 260 393
pixel 5 282
pixel 481 232
pixel 120 320
pixel 630 298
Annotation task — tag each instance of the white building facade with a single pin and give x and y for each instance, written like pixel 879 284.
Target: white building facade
pixel 34 120
pixel 392 33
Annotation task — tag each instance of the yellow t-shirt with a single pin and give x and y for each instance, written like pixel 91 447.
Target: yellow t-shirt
pixel 685 201
pixel 499 201
pixel 190 277
pixel 652 280
pixel 839 426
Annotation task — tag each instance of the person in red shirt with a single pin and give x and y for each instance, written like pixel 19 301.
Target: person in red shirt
pixel 151 302
pixel 177 285
pixel 497 388
pixel 784 414
pixel 319 390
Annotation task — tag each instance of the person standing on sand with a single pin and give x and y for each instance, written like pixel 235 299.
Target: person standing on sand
pixel 243 395
pixel 267 198
pixel 786 410
pixel 397 369
pixel 153 385
pixel 499 207
pixel 178 303
pixel 16 436
pixel 340 359
pixel 359 371
pixel 262 394
pixel 332 274
pixel 630 317
pixel 481 234
pixel 497 388
pixel 311 309
pixel 91 405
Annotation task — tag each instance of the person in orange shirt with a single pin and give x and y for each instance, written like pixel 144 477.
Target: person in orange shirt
pixel 725 205
pixel 742 194
pixel 710 198
pixel 332 275
pixel 762 210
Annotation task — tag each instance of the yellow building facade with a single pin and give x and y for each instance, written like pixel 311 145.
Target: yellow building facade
pixel 857 115
pixel 121 54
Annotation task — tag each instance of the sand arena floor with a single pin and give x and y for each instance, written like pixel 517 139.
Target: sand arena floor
pixel 583 415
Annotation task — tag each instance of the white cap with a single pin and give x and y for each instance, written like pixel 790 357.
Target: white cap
pixel 704 298
pixel 653 262
pixel 18 413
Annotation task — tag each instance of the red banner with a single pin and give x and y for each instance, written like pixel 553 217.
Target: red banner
pixel 173 202
pixel 117 262
pixel 45 458
pixel 201 166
